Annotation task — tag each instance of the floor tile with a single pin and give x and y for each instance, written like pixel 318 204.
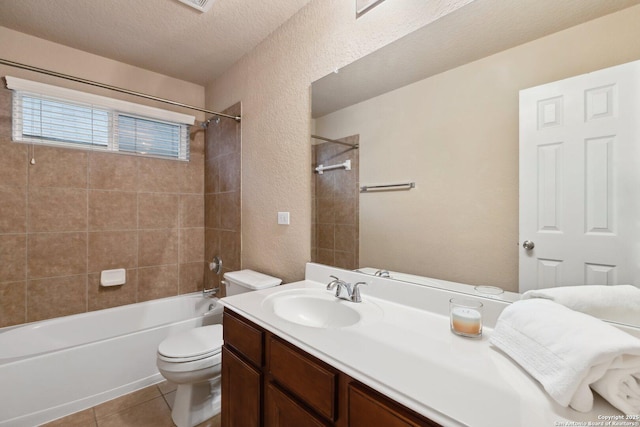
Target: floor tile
pixel 213 422
pixel 84 418
pixel 167 387
pixel 128 401
pixel 154 413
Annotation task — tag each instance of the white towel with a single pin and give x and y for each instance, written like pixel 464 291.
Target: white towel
pixel 619 303
pixel 567 351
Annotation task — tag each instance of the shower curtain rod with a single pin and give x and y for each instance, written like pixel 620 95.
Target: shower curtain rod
pixel 113 88
pixel 334 141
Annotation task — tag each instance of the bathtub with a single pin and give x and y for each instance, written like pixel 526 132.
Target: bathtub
pixel 56 367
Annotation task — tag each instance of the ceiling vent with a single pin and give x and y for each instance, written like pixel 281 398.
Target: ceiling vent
pixel 201 5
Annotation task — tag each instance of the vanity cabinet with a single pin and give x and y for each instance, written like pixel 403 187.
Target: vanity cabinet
pixel 268 382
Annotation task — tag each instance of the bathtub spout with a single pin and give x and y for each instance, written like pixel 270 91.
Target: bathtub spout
pixel 210 292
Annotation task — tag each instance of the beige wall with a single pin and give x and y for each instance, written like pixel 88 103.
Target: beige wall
pixel 23 48
pixel 272 82
pixel 76 212
pixel 456 135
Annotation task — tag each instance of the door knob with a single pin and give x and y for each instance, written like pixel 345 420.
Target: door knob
pixel 528 245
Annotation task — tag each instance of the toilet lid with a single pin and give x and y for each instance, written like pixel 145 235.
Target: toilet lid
pixel 194 343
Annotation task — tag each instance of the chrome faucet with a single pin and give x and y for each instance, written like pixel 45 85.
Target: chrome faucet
pixel 353 291
pixel 382 273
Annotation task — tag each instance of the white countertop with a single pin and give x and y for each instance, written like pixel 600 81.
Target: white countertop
pixel 410 355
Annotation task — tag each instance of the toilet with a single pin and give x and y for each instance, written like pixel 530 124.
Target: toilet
pixel 193 359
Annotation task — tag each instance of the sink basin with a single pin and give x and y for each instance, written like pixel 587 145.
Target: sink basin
pixel 315 308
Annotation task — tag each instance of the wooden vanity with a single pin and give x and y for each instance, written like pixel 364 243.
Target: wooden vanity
pixel 268 382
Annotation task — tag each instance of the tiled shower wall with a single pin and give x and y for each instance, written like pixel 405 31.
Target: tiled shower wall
pixel 222 195
pixel 335 225
pixel 77 212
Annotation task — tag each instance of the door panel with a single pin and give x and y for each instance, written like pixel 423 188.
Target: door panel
pixel 579 181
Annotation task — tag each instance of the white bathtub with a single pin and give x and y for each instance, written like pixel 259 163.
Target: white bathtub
pixel 56 367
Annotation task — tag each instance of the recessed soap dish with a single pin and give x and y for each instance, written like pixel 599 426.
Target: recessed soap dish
pixel 113 277
pixel 488 290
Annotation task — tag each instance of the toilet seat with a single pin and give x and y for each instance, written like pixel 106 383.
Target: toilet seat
pixel 195 344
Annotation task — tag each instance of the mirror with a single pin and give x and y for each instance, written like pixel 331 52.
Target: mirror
pixel 439 107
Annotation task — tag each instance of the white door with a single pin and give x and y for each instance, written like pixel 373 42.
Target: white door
pixel 579 185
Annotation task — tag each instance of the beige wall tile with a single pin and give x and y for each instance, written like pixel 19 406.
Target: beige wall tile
pixel 13 257
pixel 112 296
pixel 325 256
pixel 345 238
pixel 58 167
pixel 191 210
pixel 211 211
pixel 230 249
pixel 156 175
pixel 345 209
pixel 325 211
pixel 192 174
pixel 191 245
pixel 345 260
pixel 56 296
pixel 13 164
pixel 211 176
pixel 158 210
pixel 229 210
pixel 13 303
pixel 5 114
pixel 113 172
pixel 13 209
pixel 57 209
pixel 157 247
pixel 212 243
pixel 112 210
pixel 112 249
pixel 56 254
pixel 191 277
pixel 196 139
pixel 326 236
pixel 229 172
pixel 157 282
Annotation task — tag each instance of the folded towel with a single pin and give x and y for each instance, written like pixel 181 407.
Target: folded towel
pixel 619 303
pixel 567 351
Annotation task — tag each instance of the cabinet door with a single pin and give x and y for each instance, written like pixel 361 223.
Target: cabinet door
pixel 240 392
pixel 283 411
pixel 367 408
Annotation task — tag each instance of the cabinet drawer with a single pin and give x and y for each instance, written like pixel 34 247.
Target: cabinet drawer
pixel 283 411
pixel 312 381
pixel 243 336
pixel 368 408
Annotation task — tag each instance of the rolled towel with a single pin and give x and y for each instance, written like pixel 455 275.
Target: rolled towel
pixel 621 387
pixel 567 351
pixel 619 303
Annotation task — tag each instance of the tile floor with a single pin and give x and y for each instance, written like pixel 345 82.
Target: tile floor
pixel 149 407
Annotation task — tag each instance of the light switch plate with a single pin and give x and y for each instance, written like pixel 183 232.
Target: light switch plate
pixel 283 218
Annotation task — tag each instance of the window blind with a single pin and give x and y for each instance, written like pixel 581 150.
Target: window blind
pixel 60 123
pixel 83 121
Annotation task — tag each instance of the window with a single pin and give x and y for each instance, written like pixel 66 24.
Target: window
pixel 78 121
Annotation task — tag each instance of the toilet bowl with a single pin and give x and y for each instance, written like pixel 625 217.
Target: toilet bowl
pixel 193 359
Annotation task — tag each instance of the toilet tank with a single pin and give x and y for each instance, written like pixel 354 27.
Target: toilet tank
pixel 237 282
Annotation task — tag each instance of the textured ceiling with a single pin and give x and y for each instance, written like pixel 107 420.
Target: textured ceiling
pixel 165 36
pixel 479 29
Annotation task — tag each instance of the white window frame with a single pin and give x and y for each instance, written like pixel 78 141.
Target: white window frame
pixel 114 107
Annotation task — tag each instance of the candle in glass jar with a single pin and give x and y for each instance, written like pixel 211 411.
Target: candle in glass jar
pixel 466 317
